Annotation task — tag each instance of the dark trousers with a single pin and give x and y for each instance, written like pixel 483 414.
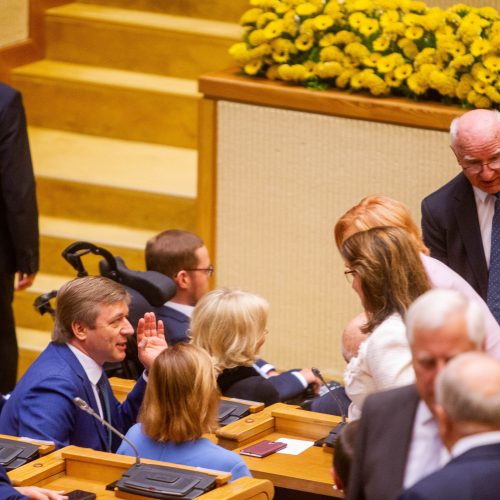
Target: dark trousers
pixel 8 341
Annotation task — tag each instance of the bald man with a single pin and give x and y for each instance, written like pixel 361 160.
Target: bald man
pixel 457 218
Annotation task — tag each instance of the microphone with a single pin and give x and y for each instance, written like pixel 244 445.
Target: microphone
pixel 338 428
pixel 84 406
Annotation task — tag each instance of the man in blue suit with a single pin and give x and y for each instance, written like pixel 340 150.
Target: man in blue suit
pixel 91 328
pixel 468 410
pixel 183 256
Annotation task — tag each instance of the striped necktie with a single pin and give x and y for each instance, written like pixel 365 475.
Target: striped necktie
pixel 493 297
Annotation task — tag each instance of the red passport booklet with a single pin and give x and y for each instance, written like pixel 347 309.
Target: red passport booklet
pixel 262 448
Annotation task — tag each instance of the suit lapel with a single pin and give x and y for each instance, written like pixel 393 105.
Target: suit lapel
pixel 88 392
pixel 467 222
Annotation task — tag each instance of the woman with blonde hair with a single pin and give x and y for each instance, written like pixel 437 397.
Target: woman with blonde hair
pixel 180 405
pixel 387 275
pixel 374 211
pixel 231 325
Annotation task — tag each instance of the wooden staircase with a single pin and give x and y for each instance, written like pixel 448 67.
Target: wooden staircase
pixel 112 115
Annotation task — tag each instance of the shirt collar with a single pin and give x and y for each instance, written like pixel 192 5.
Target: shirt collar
pixel 481 196
pixel 474 441
pixel 424 416
pixel 91 368
pixel 182 308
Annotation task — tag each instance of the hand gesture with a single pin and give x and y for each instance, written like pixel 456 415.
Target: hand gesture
pixel 150 339
pixel 312 380
pixel 36 493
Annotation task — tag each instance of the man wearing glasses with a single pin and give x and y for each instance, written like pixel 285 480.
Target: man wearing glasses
pixel 182 256
pixel 461 220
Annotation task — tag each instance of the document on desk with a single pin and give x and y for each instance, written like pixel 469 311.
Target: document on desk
pixel 294 446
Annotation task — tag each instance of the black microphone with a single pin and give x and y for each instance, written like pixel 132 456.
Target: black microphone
pixel 83 405
pixel 338 428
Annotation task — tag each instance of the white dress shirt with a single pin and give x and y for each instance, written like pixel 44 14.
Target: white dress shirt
pixel 475 441
pixel 485 205
pixel 427 452
pixel 182 308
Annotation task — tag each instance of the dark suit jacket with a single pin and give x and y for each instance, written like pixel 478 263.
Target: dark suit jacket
pixel 176 324
pixel 7 492
pixel 41 406
pixel 382 445
pixel 474 475
pixel 451 231
pixel 18 208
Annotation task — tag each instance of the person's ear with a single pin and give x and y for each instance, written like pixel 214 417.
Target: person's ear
pixel 182 279
pixel 445 425
pixel 79 330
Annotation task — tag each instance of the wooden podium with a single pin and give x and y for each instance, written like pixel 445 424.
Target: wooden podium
pixel 308 472
pixel 73 468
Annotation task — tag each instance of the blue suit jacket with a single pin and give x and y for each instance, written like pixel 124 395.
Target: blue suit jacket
pixel 7 492
pixel 41 406
pixel 474 475
pixel 451 231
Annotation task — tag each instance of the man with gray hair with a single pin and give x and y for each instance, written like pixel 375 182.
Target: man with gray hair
pixel 458 220
pixel 398 441
pixel 91 328
pixel 468 411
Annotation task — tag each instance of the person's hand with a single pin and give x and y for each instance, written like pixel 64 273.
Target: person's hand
pixel 150 339
pixel 272 373
pixel 24 280
pixel 311 379
pixel 36 493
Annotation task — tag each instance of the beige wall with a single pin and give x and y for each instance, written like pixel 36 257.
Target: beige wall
pixel 13 21
pixel 283 179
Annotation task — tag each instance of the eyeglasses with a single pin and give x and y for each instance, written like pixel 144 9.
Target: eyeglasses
pixel 476 166
pixel 349 275
pixel 208 270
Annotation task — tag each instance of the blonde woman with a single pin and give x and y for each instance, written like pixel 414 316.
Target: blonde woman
pixel 231 325
pixel 180 405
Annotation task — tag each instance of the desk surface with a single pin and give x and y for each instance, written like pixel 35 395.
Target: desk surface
pixel 310 471
pixel 43 447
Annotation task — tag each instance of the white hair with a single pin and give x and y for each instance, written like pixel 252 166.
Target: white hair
pixel 455 123
pixel 433 309
pixel 468 393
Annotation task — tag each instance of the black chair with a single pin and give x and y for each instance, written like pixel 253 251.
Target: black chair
pixel 148 290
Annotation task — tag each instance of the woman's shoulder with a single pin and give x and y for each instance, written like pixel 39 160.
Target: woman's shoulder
pixel 228 456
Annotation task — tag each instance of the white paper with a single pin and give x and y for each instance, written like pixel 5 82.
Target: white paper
pixel 294 446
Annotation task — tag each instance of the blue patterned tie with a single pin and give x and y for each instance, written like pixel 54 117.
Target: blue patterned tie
pixel 493 298
pixel 102 389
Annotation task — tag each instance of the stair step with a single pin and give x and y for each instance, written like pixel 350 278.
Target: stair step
pixel 56 234
pixel 222 10
pixel 25 314
pixel 155 43
pixel 109 102
pixel 31 343
pixel 99 179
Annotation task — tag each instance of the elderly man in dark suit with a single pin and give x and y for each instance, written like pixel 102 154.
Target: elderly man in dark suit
pixel 468 411
pixel 18 224
pixel 457 219
pixel 398 441
pixel 91 329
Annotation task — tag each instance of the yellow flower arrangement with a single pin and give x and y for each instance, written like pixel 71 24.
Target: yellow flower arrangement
pixel 384 47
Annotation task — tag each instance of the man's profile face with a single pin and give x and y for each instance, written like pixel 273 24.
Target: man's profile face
pixel 200 279
pixel 107 341
pixel 432 349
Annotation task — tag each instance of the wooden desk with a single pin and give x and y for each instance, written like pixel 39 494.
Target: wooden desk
pixel 81 468
pixel 43 448
pixel 308 472
pixel 122 386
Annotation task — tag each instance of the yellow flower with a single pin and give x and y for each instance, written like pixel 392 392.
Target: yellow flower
pixel 426 56
pixel 488 12
pixel 414 32
pixel 492 63
pixel 322 23
pixel 327 40
pixel 495 41
pixel 256 37
pixel 389 17
pixel 260 51
pixel 357 51
pixel 265 19
pixel 479 87
pixel 356 81
pixel 392 80
pixel 372 60
pixel 343 79
pixel 281 50
pixel 433 19
pixel 480 47
pixel 478 100
pixel 356 19
pixel 445 84
pixel 376 85
pixel 344 37
pixel 408 47
pixel 304 42
pixel 294 73
pixel 486 76
pixel 240 52
pixel 273 29
pixel 464 86
pixel 368 27
pixel 462 62
pixel 411 20
pixel 460 8
pixel 252 68
pixel 331 53
pixel 272 72
pixel 417 7
pixel 307 9
pixel 382 43
pixel 456 49
pixel 250 16
pixel 386 64
pixel 329 69
pixel 417 84
pixel 403 72
pixel 307 26
pixel 493 94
